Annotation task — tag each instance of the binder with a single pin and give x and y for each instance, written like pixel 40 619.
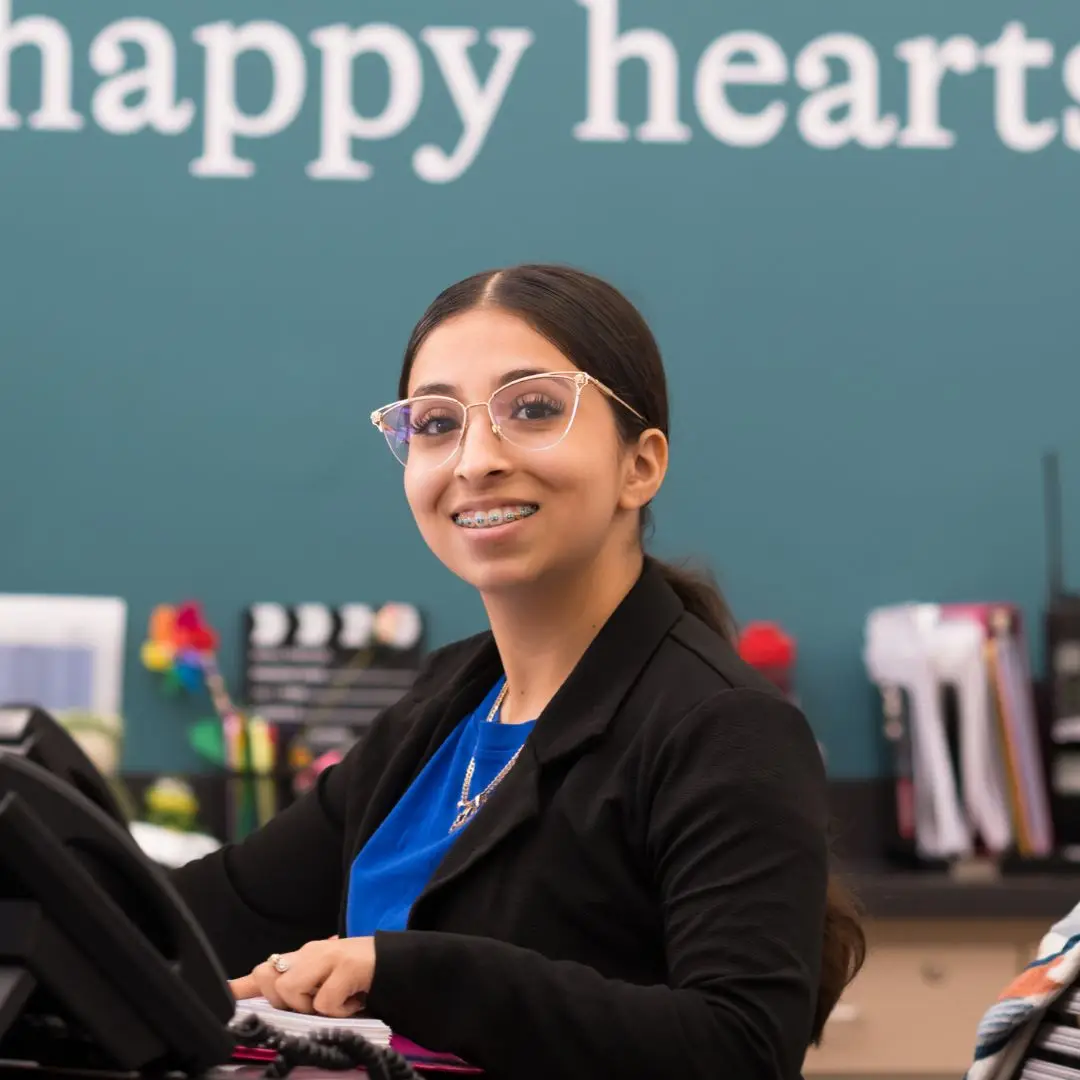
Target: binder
pixel 1013 702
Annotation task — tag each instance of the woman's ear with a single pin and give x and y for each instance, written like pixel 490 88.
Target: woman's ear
pixel 646 466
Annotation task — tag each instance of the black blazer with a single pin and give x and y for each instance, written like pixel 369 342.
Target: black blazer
pixel 643 896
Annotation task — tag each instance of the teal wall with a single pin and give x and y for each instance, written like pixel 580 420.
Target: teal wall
pixel 869 344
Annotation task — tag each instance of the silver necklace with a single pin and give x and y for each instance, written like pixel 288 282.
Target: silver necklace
pixel 466 806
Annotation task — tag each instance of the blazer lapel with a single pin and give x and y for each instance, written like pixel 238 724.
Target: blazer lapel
pixel 580 712
pixel 437 717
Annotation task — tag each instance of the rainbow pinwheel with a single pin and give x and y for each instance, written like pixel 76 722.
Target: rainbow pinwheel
pixel 181 646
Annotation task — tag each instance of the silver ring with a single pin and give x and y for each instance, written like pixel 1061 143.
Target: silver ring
pixel 279 963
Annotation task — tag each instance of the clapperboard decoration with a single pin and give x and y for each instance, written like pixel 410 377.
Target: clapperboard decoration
pixel 322 673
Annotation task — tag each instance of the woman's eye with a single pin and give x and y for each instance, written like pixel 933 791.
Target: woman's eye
pixel 535 408
pixel 433 424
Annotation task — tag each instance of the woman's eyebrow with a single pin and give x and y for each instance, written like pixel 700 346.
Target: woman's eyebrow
pixel 451 390
pixel 433 388
pixel 521 373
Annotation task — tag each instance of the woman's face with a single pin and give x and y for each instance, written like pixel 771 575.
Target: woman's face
pixel 568 505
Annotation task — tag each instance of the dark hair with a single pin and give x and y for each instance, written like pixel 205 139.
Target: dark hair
pixel 602 333
pixel 843 951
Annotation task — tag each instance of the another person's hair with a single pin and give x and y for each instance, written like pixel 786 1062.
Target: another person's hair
pixel 603 334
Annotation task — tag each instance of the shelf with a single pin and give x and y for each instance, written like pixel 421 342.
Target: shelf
pixel 886 894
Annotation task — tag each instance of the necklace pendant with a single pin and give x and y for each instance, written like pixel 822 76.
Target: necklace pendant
pixel 468 808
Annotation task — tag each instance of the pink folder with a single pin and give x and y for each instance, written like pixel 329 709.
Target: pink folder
pixel 423 1061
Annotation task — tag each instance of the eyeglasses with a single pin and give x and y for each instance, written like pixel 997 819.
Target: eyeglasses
pixel 533 413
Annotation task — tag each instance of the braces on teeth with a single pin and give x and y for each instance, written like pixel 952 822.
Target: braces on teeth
pixel 481 519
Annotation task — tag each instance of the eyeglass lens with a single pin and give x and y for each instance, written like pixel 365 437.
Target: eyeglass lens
pixel 533 413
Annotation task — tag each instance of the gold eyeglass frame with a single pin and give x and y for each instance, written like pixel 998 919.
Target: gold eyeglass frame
pixel 581 379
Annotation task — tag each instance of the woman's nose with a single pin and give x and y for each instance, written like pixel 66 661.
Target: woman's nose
pixel 482 451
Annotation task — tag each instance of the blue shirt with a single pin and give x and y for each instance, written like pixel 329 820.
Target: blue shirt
pixel 399 859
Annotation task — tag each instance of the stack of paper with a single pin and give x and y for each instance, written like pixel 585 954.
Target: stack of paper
pixel 294 1023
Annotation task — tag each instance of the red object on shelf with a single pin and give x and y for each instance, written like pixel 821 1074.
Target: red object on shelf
pixel 766 646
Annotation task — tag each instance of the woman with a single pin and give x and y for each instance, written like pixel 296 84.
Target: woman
pixel 591 842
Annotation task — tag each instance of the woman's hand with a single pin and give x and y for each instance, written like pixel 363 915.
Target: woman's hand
pixel 330 977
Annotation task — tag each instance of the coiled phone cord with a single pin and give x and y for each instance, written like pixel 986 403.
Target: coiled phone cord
pixel 330 1049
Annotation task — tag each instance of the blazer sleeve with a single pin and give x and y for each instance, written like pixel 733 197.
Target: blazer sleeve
pixel 734 806
pixel 281 886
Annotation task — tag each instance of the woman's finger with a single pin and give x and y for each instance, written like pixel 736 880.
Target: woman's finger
pixel 338 995
pixel 296 997
pixel 299 985
pixel 244 987
pixel 266 978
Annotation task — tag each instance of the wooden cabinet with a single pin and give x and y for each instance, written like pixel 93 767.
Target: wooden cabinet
pixel 914 1007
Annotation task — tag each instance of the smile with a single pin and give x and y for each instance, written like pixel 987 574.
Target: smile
pixel 500 515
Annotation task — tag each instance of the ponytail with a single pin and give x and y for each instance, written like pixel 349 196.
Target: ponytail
pixel 843 949
pixel 700 595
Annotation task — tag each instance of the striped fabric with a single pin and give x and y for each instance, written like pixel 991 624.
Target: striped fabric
pixel 1006 1029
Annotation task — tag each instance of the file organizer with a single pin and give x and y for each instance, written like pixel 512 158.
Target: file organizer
pixel 1062 638
pixel 959 718
pixel 928 803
